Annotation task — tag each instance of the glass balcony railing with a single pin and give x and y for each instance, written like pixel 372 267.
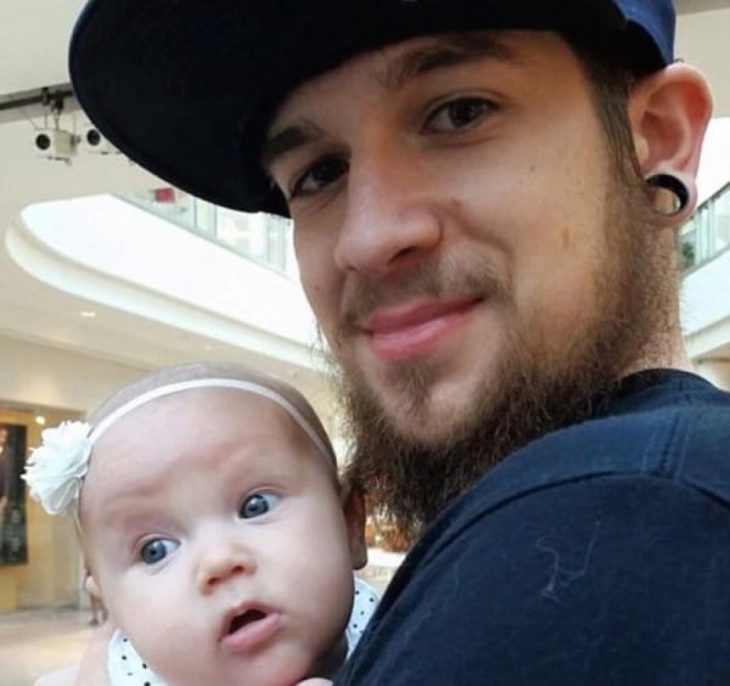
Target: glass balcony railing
pixel 267 239
pixel 707 233
pixel 263 238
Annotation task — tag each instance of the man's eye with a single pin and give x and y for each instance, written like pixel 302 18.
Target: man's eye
pixel 257 504
pixel 458 114
pixel 158 549
pixel 320 175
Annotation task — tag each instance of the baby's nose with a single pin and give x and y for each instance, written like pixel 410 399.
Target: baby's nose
pixel 220 563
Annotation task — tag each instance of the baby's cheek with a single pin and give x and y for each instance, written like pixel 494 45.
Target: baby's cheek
pixel 170 652
pixel 147 612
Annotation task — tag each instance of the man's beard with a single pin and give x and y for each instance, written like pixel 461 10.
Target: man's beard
pixel 410 481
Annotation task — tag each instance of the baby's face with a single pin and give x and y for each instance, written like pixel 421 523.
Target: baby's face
pixel 217 537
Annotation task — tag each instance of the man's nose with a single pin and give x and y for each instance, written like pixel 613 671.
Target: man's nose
pixel 390 218
pixel 223 559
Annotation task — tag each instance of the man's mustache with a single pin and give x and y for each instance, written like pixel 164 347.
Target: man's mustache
pixel 433 280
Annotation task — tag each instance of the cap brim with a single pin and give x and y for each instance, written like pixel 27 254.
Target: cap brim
pixel 186 89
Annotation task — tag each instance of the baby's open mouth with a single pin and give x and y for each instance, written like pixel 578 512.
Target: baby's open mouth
pixel 244 619
pixel 250 627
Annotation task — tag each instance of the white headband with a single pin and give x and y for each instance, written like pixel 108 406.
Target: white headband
pixel 57 467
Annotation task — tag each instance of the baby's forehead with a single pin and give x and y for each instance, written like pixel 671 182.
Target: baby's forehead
pixel 262 407
pixel 236 433
pixel 245 414
pixel 206 424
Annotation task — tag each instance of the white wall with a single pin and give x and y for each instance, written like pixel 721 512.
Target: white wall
pixel 35 376
pixel 715 371
pixel 714 170
pixel 702 41
pixel 34 37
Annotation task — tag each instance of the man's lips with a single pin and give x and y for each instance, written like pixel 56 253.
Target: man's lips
pixel 415 328
pixel 249 626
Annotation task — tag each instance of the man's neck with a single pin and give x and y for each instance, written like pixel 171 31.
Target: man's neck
pixel 668 354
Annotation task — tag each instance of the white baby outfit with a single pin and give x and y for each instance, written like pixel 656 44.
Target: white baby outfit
pixel 127 668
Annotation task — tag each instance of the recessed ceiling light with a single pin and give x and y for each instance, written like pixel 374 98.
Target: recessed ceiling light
pixel 88 314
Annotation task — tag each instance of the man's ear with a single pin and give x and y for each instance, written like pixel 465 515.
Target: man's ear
pixel 669 112
pixel 355 513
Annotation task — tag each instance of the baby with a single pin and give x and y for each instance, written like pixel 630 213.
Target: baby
pixel 214 528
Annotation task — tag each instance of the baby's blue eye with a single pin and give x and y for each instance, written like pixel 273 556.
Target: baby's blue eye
pixel 257 504
pixel 158 549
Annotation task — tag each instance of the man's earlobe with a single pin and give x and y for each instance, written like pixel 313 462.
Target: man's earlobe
pixel 669 112
pixel 671 197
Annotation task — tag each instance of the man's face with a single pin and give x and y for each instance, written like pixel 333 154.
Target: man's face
pixel 212 520
pixel 449 202
pixel 466 243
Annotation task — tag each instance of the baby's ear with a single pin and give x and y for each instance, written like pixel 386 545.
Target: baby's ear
pixel 91 587
pixel 354 508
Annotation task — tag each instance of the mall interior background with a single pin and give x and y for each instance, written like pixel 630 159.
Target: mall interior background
pixel 106 272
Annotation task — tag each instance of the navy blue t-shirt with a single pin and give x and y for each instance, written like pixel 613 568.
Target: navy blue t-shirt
pixel 596 555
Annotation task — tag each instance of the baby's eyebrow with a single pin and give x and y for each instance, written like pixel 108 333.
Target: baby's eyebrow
pixel 117 519
pixel 128 511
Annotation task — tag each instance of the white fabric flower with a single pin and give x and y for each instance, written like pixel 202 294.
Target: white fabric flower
pixel 56 468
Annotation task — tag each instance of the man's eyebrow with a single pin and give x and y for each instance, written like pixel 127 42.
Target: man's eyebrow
pixel 286 141
pixel 447 51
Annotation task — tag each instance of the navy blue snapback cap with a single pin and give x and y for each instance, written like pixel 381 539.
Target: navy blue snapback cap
pixel 187 88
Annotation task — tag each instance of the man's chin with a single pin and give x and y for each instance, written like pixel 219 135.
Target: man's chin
pixel 423 429
pixel 428 426
pixel 405 403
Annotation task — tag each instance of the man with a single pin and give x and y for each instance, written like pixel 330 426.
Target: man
pixel 485 197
